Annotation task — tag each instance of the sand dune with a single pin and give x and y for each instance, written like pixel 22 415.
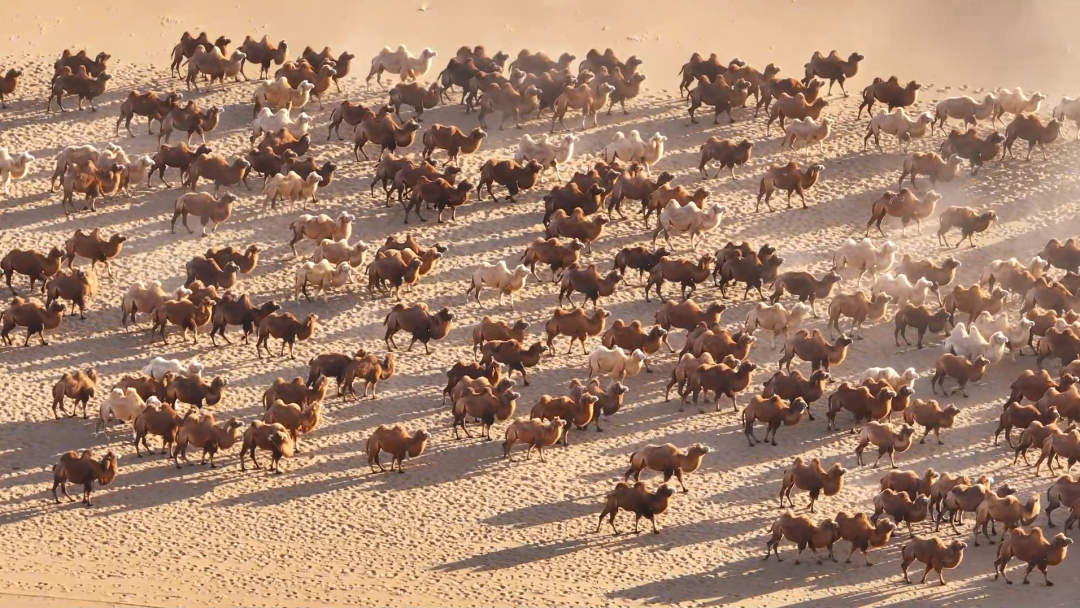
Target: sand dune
pixel 463 527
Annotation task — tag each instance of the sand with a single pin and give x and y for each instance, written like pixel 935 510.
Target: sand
pixel 462 526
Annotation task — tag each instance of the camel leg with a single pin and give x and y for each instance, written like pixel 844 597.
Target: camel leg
pixel 63 489
pixel 880 454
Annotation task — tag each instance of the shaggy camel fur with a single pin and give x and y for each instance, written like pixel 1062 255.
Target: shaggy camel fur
pixel 639 501
pixel 398 442
pixel 82 468
pixel 667 459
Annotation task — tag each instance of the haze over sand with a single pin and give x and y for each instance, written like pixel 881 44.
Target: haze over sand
pixel 979 43
pixel 462 527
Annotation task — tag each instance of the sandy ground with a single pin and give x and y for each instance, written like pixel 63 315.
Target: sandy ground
pixel 462 526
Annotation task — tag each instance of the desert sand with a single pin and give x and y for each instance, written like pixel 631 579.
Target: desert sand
pixel 462 527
